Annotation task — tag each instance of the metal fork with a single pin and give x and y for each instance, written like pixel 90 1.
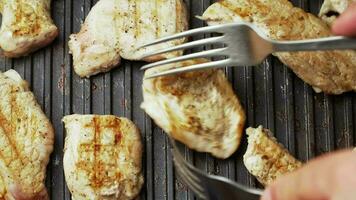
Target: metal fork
pixel 245 45
pixel 210 187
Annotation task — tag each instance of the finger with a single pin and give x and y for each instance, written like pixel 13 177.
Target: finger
pixel 329 177
pixel 346 23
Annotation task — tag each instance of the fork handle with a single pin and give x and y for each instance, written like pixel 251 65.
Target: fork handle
pixel 328 43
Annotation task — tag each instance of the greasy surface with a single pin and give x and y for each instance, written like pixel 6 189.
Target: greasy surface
pixel 330 71
pixel 26 26
pixel 331 9
pixel 266 158
pixel 199 109
pixel 26 140
pixel 308 124
pixel 127 25
pixel 102 157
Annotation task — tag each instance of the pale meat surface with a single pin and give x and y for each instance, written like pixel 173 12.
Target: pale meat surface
pixel 102 157
pixel 329 71
pixel 116 28
pixel 198 108
pixel 26 141
pixel 26 26
pixel 265 158
pixel 331 9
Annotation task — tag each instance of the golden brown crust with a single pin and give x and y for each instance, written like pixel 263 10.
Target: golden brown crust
pixel 330 71
pixel 265 158
pixel 26 141
pixel 197 108
pixel 102 157
pixel 26 27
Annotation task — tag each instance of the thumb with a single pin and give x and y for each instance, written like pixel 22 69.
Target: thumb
pixel 346 23
pixel 328 177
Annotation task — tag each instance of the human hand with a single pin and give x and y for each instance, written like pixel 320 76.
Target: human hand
pixel 346 23
pixel 330 177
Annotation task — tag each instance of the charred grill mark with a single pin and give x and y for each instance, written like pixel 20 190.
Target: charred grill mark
pixel 180 20
pixel 178 16
pixel 136 18
pixel 118 137
pixel 2 192
pixel 155 18
pixel 8 127
pixel 97 169
pixel 8 130
pixel 17 115
pixel 112 123
pixel 228 5
pixel 96 179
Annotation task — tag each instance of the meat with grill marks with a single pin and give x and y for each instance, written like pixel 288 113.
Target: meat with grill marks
pixel 26 141
pixel 26 26
pixel 102 157
pixel 333 72
pixel 116 28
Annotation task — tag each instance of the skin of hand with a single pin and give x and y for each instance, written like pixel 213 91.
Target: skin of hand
pixel 329 177
pixel 346 23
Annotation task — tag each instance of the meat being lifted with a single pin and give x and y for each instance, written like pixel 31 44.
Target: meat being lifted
pixel 26 26
pixel 26 141
pixel 333 72
pixel 197 108
pixel 116 28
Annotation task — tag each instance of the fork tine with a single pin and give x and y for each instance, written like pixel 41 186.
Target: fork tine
pixel 179 158
pixel 186 46
pixel 188 176
pixel 212 64
pixel 208 53
pixel 182 168
pixel 207 29
pixel 188 182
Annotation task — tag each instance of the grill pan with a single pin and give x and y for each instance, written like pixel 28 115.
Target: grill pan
pixel 308 124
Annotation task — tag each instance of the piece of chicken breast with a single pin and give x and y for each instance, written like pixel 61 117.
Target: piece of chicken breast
pixel 333 72
pixel 197 108
pixel 26 141
pixel 102 157
pixel 331 9
pixel 116 28
pixel 265 158
pixel 26 26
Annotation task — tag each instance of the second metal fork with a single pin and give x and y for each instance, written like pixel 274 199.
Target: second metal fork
pixel 208 186
pixel 245 45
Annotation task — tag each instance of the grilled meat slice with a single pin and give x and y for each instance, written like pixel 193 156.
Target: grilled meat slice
pixel 198 108
pixel 265 158
pixel 333 72
pixel 116 28
pixel 331 9
pixel 95 47
pixel 26 26
pixel 102 157
pixel 26 141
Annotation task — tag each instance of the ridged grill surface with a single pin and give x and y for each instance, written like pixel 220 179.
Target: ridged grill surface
pixel 308 124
